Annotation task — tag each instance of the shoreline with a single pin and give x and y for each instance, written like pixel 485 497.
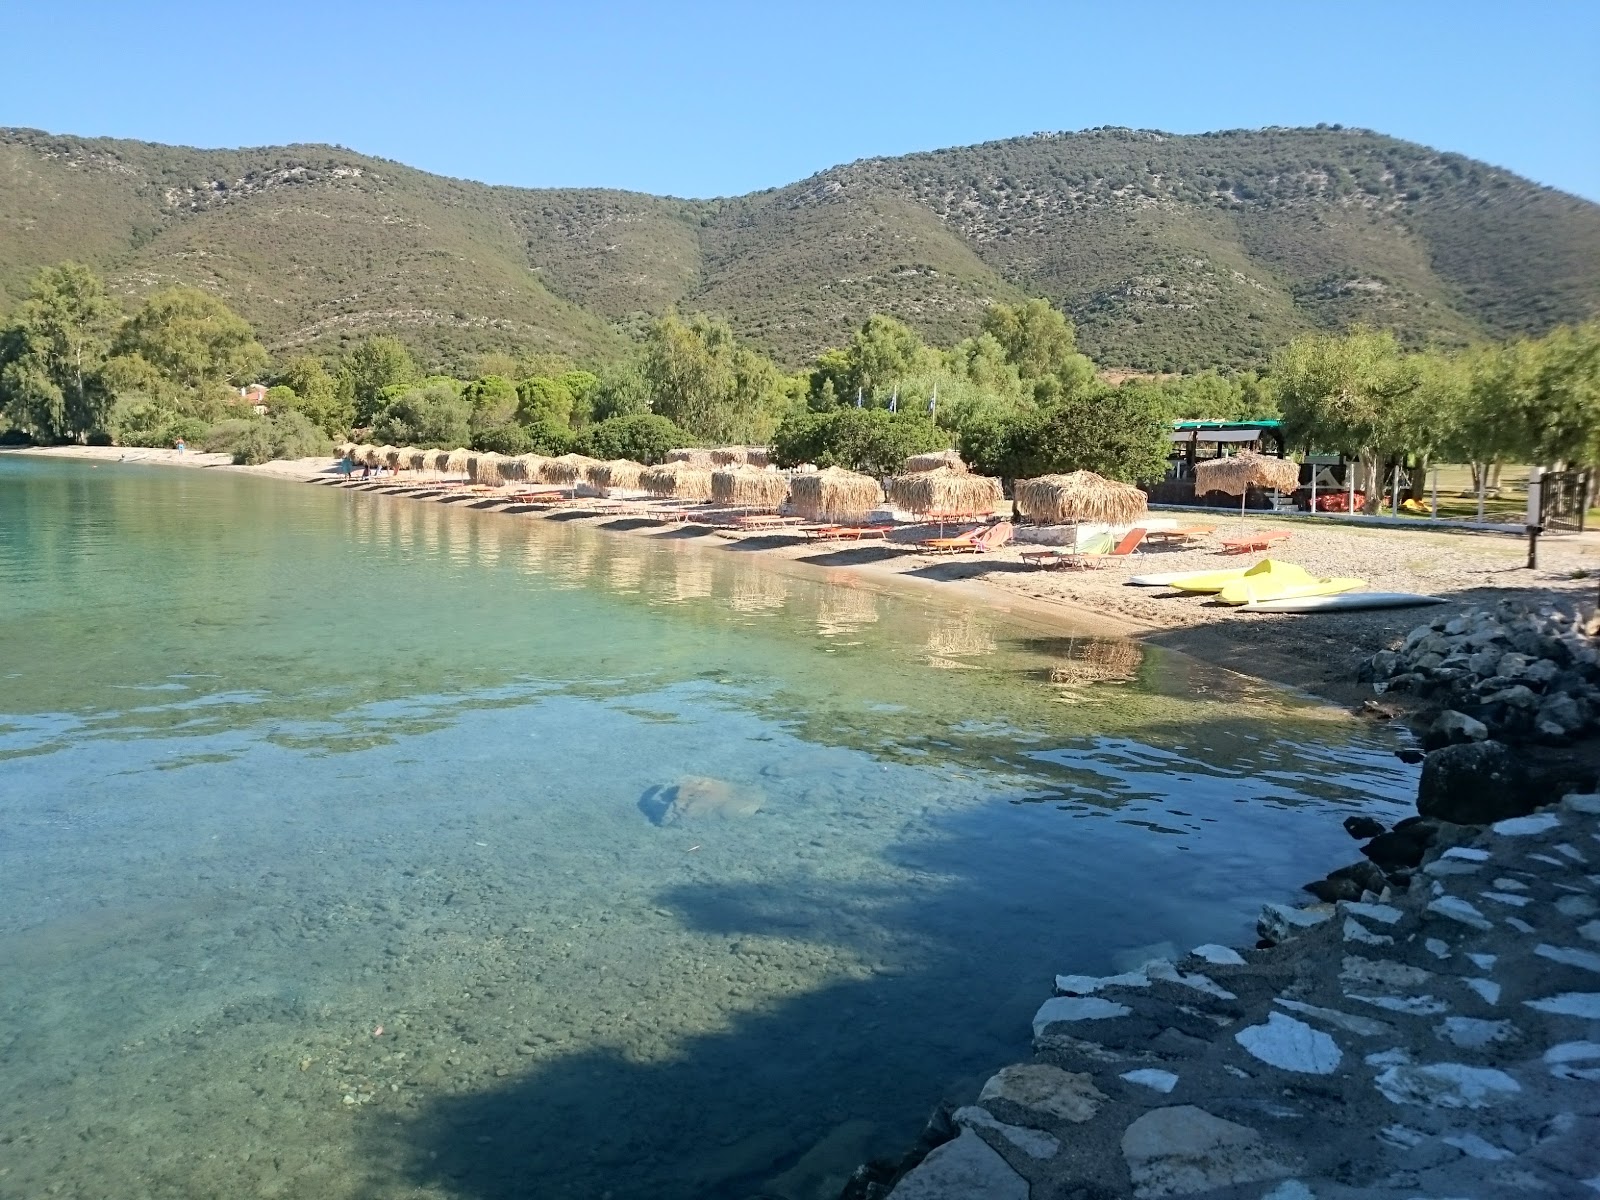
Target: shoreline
pixel 1310 653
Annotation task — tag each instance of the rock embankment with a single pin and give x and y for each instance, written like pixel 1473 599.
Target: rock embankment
pixel 1443 1042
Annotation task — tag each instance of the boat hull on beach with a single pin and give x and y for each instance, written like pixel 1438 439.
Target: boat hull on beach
pixel 1347 601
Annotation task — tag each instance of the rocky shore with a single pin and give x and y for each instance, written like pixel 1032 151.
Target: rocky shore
pixel 1429 1029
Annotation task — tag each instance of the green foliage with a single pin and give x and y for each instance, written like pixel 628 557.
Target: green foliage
pixel 542 400
pixel 642 437
pixel 583 387
pixel 708 384
pixel 432 415
pixel 871 440
pixel 317 395
pixel 622 391
pixel 1116 433
pixel 192 339
pixel 1035 338
pixel 53 355
pixel 287 435
pixel 504 439
pixel 138 420
pixel 545 437
pixel 375 364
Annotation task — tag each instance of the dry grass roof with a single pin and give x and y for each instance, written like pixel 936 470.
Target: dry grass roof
pixel 1235 474
pixel 727 456
pixel 944 490
pixel 569 468
pixel 1080 496
pixel 834 495
pixel 678 480
pixel 934 461
pixel 617 473
pixel 745 486
pixel 487 469
pixel 689 454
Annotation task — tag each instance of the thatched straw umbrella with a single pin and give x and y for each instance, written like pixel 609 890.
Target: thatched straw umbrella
pixel 1080 496
pixel 834 495
pixel 944 492
pixel 533 466
pixel 935 461
pixel 367 455
pixel 418 460
pixel 700 458
pixel 485 469
pixel 744 486
pixel 618 473
pixel 453 463
pixel 344 449
pixel 1234 475
pixel 569 468
pixel 677 480
pixel 396 457
pixel 726 456
pixel 513 470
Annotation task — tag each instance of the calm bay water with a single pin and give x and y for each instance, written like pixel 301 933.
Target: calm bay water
pixel 283 765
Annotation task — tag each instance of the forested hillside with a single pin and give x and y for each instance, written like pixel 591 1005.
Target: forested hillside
pixel 1169 252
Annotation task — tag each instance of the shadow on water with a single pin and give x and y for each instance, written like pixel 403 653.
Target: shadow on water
pixel 930 986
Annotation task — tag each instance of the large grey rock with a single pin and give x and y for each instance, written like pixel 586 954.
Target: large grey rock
pixel 1452 727
pixel 1280 922
pixel 1182 1150
pixel 1562 710
pixel 1476 783
pixel 963 1169
pixel 1046 1090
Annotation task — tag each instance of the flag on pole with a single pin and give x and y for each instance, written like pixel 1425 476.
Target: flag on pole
pixel 894 401
pixel 858 397
pixel 933 402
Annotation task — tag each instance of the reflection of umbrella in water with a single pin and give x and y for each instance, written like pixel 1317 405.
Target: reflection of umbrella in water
pixel 1235 475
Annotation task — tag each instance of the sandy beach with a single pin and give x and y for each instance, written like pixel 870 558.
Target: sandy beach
pixel 1316 653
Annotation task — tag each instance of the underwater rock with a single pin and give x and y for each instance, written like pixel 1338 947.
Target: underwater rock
pixel 696 797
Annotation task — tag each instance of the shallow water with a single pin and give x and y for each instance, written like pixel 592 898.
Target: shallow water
pixel 281 765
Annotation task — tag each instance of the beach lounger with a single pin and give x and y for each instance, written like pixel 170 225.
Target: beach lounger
pixel 1182 535
pixel 1244 543
pixel 1087 555
pixel 845 533
pixel 975 541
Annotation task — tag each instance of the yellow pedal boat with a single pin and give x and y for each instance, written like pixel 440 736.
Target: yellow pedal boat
pixel 1281 581
pixel 1201 582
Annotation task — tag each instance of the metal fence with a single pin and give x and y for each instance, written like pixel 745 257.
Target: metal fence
pixel 1563 500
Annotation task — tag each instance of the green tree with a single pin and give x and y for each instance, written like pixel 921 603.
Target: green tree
pixel 543 400
pixel 708 384
pixel 433 415
pixel 642 437
pixel 1037 339
pixel 375 364
pixel 583 387
pixel 53 355
pixel 317 395
pixel 1121 435
pixel 193 340
pixel 872 440
pixel 622 391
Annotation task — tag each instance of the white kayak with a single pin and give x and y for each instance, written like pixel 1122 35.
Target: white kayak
pixel 1345 601
pixel 1158 580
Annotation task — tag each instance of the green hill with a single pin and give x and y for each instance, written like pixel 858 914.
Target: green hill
pixel 1168 251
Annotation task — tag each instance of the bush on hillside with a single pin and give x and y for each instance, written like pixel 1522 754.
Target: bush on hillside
pixel 509 439
pixel 872 440
pixel 644 438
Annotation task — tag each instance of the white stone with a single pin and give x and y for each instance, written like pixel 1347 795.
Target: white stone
pixel 960 1170
pixel 1484 962
pixel 1473 1033
pixel 1441 867
pixel 1355 931
pixel 1587 959
pixel 1570 1004
pixel 1466 854
pixel 1290 1189
pixel 1235 1071
pixel 1576 803
pixel 1161 1081
pixel 1218 956
pixel 1487 988
pixel 1564 1060
pixel 1279 922
pixel 1576 906
pixel 1040 1087
pixel 1591 930
pixel 1167 972
pixel 1570 852
pixel 1474 1146
pixel 1364 1026
pixel 1402 1136
pixel 1505 898
pixel 1446 1085
pixel 1457 909
pixel 1383 914
pixel 1075 1008
pixel 1418 1006
pixel 1290 1045
pixel 1437 948
pixel 1034 1143
pixel 1519 925
pixel 1506 884
pixel 1356 969
pixel 1084 985
pixel 1135 957
pixel 1526 826
pixel 1545 858
pixel 1388 1058
pixel 1180 1150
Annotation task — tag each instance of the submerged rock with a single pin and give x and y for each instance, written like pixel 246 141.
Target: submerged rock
pixel 695 797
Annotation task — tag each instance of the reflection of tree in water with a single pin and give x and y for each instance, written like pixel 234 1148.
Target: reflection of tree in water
pixel 753 588
pixel 842 608
pixel 1097 660
pixel 576 564
pixel 624 571
pixel 959 635
pixel 693 579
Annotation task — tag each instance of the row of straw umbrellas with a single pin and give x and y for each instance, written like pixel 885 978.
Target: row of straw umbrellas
pixel 930 485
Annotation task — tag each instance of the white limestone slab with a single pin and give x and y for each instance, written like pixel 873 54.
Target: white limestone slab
pixel 1486 988
pixel 1218 956
pixel 1527 826
pixel 1086 985
pixel 1291 1045
pixel 1456 909
pixel 1466 854
pixel 965 1167
pixel 1484 962
pixel 1402 1136
pixel 1388 1058
pixel 1507 884
pixel 1201 983
pixel 1586 959
pixel 1474 1146
pixel 1474 1033
pixel 1355 931
pixel 1576 906
pixel 1383 914
pixel 1591 930
pixel 1574 1060
pixel 1356 969
pixel 1362 1026
pixel 1035 1143
pixel 1570 852
pixel 1579 803
pixel 1076 1008
pixel 1161 1081
pixel 1505 898
pixel 1417 1006
pixel 1446 1085
pixel 1545 858
pixel 1437 948
pixel 1519 925
pixel 1570 1004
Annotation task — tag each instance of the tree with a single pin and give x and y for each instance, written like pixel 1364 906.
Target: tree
pixel 193 340
pixel 543 400
pixel 872 440
pixel 1037 338
pixel 622 391
pixel 53 355
pixel 583 387
pixel 1121 435
pixel 704 381
pixel 317 395
pixel 425 416
pixel 643 437
pixel 375 364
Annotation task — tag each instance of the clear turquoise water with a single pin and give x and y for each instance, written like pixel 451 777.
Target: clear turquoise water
pixel 281 764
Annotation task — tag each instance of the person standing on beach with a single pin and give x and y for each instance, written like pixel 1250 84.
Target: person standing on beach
pixel 179 446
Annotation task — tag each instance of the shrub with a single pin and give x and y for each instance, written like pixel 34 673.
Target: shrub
pixel 432 415
pixel 290 434
pixel 15 437
pixel 644 438
pixel 546 437
pixel 503 439
pixel 224 436
pixel 872 440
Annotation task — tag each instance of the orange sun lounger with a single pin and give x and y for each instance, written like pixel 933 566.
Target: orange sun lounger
pixel 1246 542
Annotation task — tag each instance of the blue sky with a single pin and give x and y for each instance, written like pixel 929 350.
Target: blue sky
pixel 718 99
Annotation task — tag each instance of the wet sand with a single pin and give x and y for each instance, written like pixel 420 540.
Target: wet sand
pixel 1312 652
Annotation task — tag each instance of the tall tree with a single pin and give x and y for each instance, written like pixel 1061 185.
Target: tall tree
pixel 1037 338
pixel 317 394
pixel 193 339
pixel 375 364
pixel 704 381
pixel 53 355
